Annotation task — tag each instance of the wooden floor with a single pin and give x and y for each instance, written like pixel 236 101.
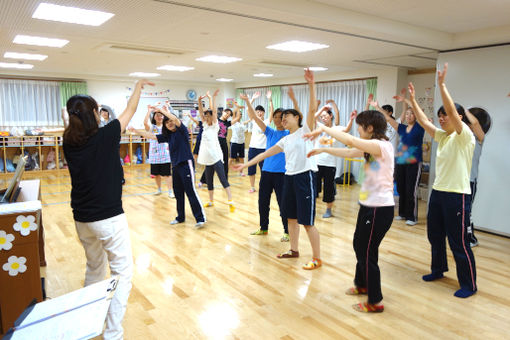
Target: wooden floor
pixel 221 283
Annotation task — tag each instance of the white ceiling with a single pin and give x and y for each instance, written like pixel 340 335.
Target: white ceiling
pixel 361 34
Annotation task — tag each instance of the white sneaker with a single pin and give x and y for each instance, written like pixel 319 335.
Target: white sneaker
pixel 175 222
pixel 409 222
pixel 171 194
pixel 200 225
pixel 399 218
pixel 157 193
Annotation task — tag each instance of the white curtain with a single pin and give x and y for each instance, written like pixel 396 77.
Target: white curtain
pixel 29 103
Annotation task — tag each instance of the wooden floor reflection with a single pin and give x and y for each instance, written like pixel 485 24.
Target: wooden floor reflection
pixel 222 283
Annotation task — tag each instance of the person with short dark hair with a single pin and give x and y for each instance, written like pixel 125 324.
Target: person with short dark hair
pixel 450 199
pixel 92 154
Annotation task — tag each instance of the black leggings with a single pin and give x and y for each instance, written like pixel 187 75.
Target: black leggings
pixel 209 175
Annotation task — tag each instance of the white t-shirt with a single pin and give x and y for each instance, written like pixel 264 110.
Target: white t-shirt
pixel 296 149
pixel 377 187
pixel 392 134
pixel 210 150
pixel 238 130
pixel 258 138
pixel 325 159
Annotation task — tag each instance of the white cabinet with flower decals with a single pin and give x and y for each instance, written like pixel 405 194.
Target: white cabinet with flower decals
pixel 20 234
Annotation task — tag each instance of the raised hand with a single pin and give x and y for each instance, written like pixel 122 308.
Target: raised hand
pixel 216 92
pixel 202 97
pixel 143 82
pixel 238 167
pixel 291 92
pixel 403 92
pixel 255 95
pixel 268 95
pixel 313 153
pixel 354 114
pixel 309 76
pixel 412 92
pixel 399 99
pixel 244 97
pixel 374 103
pixel 312 135
pixel 442 75
pixel 370 97
pixel 131 129
pixel 330 101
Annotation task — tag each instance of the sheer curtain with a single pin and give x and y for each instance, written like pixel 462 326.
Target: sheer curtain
pixel 29 103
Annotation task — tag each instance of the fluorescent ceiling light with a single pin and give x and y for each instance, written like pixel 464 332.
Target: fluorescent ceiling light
pixel 71 15
pixel 263 75
pixel 297 46
pixel 16 65
pixel 317 68
pixel 224 79
pixel 175 68
pixel 39 41
pixel 26 56
pixel 218 59
pixel 144 74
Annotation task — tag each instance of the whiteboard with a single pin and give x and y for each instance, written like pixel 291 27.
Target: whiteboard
pixel 481 77
pixel 141 110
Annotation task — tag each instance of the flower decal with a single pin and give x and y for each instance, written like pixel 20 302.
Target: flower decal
pixel 6 240
pixel 15 265
pixel 25 224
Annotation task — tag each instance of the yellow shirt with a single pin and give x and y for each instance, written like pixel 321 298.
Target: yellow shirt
pixel 453 160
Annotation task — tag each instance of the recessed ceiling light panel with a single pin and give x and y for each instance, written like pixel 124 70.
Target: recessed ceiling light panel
pixel 26 56
pixel 297 46
pixel 218 59
pixel 317 68
pixel 224 79
pixel 263 75
pixel 16 65
pixel 175 68
pixel 72 15
pixel 144 74
pixel 39 41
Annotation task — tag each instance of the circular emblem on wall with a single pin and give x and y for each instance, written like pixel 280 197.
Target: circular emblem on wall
pixel 191 95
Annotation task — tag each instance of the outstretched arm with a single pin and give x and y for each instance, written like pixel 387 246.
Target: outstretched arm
pixel 271 108
pixel 129 111
pixel 366 145
pixel 147 117
pixel 369 100
pixel 292 97
pixel 259 158
pixel 143 133
pixel 310 121
pixel 338 152
pixel 475 126
pixel 351 120
pixel 386 114
pixel 449 105
pixel 237 113
pixel 421 117
pixel 251 112
pixel 335 108
pixel 201 108
pixel 170 116
pixel 191 117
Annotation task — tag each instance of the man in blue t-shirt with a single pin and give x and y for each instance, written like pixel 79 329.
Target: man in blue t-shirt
pixel 273 171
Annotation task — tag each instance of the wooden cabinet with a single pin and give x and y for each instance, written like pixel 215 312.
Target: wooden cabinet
pixel 21 253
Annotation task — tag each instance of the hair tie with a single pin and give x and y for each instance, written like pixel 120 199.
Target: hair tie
pixel 75 112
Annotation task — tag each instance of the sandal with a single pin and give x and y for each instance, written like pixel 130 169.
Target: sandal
pixel 313 264
pixel 356 291
pixel 259 232
pixel 291 253
pixel 366 307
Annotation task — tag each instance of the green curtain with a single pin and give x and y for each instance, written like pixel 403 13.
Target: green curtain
pixel 276 95
pixel 69 89
pixel 372 88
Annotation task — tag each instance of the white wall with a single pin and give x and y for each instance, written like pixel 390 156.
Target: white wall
pixel 115 93
pixel 481 77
